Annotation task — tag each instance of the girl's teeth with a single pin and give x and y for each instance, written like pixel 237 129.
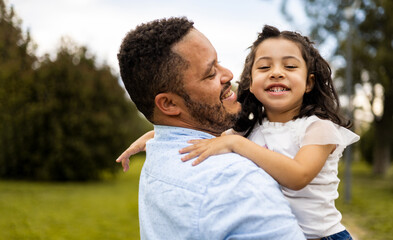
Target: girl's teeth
pixel 277 89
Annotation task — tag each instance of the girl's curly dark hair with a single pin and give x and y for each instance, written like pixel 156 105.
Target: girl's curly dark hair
pixel 321 101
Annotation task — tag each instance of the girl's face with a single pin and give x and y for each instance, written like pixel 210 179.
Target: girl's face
pixel 279 78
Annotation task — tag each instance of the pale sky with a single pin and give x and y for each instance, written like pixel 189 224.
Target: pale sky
pixel 231 25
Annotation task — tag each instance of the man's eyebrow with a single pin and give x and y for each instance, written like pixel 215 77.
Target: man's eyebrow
pixel 208 68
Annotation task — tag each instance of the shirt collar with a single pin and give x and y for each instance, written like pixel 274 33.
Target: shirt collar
pixel 163 132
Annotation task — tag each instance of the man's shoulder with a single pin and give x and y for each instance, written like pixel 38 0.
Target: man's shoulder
pixel 226 169
pixel 236 164
pixel 223 167
pixel 230 162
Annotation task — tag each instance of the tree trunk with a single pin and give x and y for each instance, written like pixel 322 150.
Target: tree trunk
pixel 382 156
pixel 383 140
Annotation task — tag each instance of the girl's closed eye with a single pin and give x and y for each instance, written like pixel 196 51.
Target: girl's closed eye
pixel 264 67
pixel 291 66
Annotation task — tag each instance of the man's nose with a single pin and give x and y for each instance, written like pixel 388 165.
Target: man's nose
pixel 227 75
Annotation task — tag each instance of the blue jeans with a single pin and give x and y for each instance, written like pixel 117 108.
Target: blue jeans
pixel 344 235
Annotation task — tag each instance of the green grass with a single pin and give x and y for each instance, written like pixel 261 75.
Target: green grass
pixel 59 211
pixel 369 214
pixel 108 210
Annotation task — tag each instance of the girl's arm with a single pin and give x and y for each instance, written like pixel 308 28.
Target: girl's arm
pixel 294 173
pixel 138 146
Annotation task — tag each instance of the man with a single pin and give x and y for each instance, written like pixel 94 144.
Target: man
pixel 171 72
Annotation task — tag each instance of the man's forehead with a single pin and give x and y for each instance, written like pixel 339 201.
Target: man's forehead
pixel 194 45
pixel 193 39
pixel 197 50
pixel 188 40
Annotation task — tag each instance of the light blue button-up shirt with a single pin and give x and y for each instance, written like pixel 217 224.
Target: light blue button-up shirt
pixel 225 197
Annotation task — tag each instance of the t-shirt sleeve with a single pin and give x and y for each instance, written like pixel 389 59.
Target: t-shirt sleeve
pixel 323 132
pixel 245 203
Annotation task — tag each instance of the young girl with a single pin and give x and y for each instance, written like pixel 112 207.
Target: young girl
pixel 293 128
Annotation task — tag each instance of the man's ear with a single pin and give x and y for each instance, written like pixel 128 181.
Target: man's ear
pixel 310 83
pixel 168 103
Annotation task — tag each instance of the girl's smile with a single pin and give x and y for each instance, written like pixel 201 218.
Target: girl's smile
pixel 277 89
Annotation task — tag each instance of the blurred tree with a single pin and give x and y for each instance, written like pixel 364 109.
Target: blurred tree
pixel 63 118
pixel 16 82
pixel 372 42
pixel 84 117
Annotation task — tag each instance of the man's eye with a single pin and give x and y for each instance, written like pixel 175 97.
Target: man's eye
pixel 212 75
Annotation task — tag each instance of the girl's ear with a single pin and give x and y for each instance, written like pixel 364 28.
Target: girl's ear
pixel 167 103
pixel 310 83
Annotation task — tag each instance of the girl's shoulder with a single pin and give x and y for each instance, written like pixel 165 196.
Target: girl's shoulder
pixel 314 120
pixel 314 130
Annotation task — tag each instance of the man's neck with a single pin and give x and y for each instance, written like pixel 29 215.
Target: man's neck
pixel 175 122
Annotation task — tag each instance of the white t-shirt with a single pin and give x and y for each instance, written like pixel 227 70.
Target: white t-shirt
pixel 313 205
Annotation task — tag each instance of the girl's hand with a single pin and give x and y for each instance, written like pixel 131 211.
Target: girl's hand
pixel 138 146
pixel 208 147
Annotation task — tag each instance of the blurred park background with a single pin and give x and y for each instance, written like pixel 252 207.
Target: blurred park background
pixel 65 117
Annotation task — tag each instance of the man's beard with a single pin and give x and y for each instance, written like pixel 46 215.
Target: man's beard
pixel 211 117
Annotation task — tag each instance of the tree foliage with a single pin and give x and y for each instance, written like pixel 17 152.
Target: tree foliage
pixel 60 119
pixel 367 25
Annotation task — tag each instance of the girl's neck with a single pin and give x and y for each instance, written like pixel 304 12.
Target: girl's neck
pixel 281 117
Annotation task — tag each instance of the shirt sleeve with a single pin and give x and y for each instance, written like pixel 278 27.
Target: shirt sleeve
pixel 323 132
pixel 246 203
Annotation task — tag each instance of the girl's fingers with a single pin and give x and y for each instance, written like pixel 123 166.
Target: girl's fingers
pixel 127 153
pixel 189 149
pixel 132 150
pixel 122 156
pixel 198 147
pixel 186 158
pixel 191 155
pixel 126 164
pixel 196 143
pixel 200 159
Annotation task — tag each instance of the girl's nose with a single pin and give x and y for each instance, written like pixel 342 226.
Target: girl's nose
pixel 277 74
